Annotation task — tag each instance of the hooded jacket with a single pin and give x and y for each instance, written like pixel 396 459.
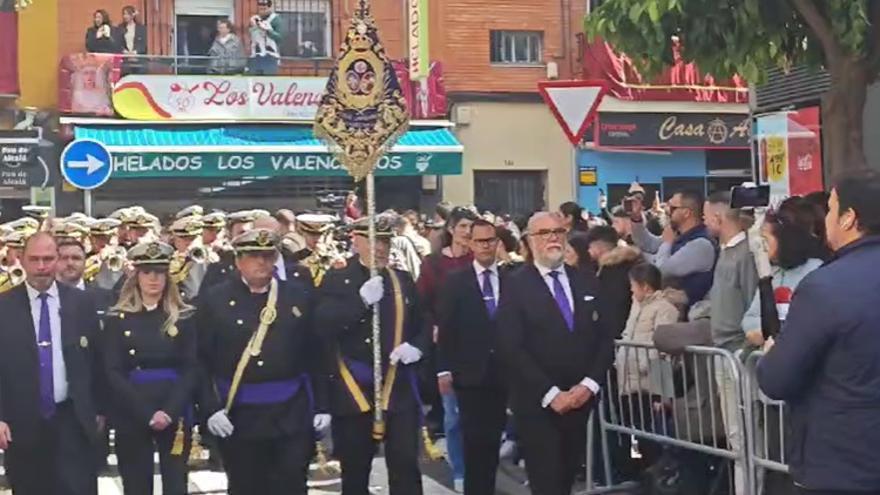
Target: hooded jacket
pixel 613 274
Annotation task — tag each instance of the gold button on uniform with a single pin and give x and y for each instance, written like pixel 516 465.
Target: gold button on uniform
pixel 132 352
pixel 232 303
pixel 127 333
pixel 240 322
pixel 259 363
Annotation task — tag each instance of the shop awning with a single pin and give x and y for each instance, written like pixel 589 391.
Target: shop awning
pixel 258 151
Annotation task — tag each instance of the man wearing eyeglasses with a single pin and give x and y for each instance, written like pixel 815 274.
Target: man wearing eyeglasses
pixel 685 252
pixel 467 358
pixel 556 350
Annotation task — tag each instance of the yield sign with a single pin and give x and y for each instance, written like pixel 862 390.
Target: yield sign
pixel 574 104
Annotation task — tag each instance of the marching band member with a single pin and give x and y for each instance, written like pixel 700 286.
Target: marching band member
pixel 152 371
pixel 344 320
pixel 106 260
pixel 190 260
pixel 237 223
pixel 257 351
pixel 318 255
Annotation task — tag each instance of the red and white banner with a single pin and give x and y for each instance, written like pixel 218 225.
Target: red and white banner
pixel 207 97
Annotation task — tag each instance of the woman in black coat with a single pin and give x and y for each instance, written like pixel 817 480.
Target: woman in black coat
pixel 132 34
pixel 152 371
pixel 101 37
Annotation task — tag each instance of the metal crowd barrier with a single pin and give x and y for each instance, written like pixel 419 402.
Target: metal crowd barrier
pixel 768 431
pixel 667 401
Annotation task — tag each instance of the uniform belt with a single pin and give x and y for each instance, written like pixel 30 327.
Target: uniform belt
pixel 140 376
pixel 360 371
pixel 274 392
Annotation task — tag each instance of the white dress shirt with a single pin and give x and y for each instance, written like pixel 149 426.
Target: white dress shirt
pixel 493 279
pixel 59 370
pixel 80 285
pixel 282 270
pixel 566 286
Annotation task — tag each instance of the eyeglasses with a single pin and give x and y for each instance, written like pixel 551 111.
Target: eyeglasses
pixel 547 234
pixel 485 242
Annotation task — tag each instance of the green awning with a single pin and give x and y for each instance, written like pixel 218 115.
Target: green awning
pixel 258 151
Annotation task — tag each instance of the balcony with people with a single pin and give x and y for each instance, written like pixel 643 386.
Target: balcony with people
pixel 294 40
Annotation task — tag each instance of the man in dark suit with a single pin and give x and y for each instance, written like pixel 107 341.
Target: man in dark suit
pixel 70 269
pixel 556 352
pixel 467 361
pixel 824 361
pixel 48 409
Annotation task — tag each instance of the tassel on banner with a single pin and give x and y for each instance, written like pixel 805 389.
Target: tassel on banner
pixel 431 449
pixel 179 437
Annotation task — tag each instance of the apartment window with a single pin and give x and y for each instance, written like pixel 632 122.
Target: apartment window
pixel 306 25
pixel 517 47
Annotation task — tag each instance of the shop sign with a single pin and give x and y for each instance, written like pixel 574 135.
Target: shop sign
pixel 255 164
pixel 208 97
pixel 790 152
pixel 20 163
pixel 672 131
pixel 587 176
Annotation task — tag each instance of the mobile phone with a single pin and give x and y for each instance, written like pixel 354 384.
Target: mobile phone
pixel 628 204
pixel 749 197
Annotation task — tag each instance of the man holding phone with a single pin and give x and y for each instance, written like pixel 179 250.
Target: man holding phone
pixel 684 253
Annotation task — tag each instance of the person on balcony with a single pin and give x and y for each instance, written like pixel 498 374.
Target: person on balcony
pixel 227 54
pixel 265 39
pixel 101 38
pixel 132 37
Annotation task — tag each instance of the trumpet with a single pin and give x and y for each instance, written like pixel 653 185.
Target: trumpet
pixel 197 254
pixel 11 278
pixel 114 257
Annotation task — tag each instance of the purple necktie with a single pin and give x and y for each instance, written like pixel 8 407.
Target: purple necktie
pixel 44 346
pixel 275 274
pixel 488 293
pixel 562 301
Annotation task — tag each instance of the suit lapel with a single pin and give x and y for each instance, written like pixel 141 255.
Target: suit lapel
pixel 66 315
pixel 540 287
pixel 28 331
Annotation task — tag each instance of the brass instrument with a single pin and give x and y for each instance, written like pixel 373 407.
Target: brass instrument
pixel 12 278
pixel 114 257
pixel 181 263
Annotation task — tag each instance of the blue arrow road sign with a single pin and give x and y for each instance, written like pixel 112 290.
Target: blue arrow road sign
pixel 86 164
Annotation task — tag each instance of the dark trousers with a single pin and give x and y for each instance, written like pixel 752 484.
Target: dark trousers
pixel 553 447
pixel 61 461
pixel 268 466
pixel 134 450
pixel 355 448
pixel 483 413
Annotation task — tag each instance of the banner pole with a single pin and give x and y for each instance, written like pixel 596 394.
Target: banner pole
pixel 377 338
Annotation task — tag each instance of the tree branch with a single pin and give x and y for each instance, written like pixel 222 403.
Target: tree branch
pixel 821 28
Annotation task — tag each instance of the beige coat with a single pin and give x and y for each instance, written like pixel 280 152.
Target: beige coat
pixel 633 363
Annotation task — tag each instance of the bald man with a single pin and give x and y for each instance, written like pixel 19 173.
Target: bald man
pixel 557 351
pixel 48 409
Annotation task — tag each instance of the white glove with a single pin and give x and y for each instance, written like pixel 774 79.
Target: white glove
pixel 321 422
pixel 406 354
pixel 372 290
pixel 758 247
pixel 220 425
